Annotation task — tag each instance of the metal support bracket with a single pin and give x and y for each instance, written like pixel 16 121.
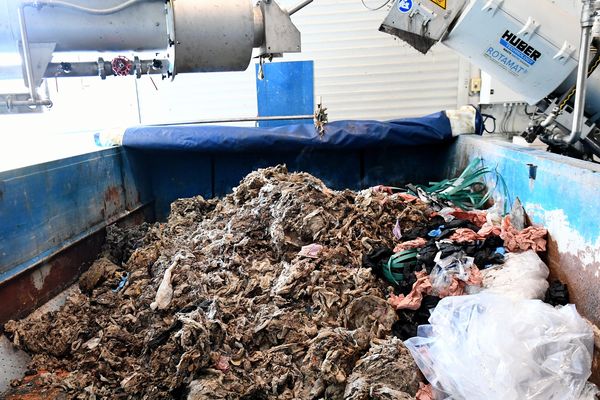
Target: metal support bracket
pixel 530 27
pixel 41 56
pixel 424 12
pixel 566 51
pixel 21 103
pixel 281 35
pixel 492 6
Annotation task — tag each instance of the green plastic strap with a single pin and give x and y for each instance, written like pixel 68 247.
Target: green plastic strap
pixel 399 261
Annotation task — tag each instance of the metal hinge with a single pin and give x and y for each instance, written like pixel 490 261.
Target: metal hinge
pixel 530 27
pixel 492 6
pixel 565 52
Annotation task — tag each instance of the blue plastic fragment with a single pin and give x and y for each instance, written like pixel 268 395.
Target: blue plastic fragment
pixel 501 250
pixel 436 232
pixel 123 282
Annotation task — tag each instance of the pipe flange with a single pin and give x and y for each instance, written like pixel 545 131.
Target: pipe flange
pixel 137 67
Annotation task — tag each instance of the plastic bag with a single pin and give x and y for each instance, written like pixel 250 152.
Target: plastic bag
pixel 495 348
pixel 446 213
pixel 522 276
pixel 517 215
pixel 442 276
pixel 589 392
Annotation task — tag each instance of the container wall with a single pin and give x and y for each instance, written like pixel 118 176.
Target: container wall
pixel 49 208
pixel 52 217
pixel 183 174
pixel 563 195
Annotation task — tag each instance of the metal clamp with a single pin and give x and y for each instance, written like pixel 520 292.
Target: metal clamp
pixel 101 70
pixel 137 66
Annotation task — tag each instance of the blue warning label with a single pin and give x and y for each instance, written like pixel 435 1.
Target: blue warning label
pixel 405 5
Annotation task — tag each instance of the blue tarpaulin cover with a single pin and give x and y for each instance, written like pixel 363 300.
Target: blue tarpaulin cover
pixel 431 129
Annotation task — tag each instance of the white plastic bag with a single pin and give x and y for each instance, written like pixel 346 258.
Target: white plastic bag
pixel 496 348
pixel 523 276
pixel 456 265
pixel 517 215
pixel 589 392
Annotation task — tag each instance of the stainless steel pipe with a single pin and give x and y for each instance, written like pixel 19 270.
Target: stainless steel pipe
pixel 244 119
pixel 587 22
pixel 26 53
pixel 141 26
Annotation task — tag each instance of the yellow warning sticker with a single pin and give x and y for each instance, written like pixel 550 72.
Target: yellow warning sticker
pixel 441 3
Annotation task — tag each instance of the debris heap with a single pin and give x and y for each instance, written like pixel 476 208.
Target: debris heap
pixel 260 295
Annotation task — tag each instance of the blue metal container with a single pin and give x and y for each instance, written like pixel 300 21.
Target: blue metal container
pixel 52 216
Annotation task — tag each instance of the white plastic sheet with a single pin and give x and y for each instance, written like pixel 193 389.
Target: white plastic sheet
pixel 522 276
pixel 493 347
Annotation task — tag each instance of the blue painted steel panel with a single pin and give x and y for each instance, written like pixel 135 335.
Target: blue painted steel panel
pixel 563 195
pixel 397 166
pixel 561 183
pixel 43 208
pixel 338 170
pixel 178 175
pixel 287 89
pixel 137 182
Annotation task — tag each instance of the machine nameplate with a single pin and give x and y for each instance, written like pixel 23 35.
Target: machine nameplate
pixel 520 48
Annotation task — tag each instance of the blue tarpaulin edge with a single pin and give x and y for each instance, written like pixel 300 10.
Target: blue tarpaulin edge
pixel 430 129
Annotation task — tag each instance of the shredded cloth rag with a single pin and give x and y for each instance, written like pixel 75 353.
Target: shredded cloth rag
pixel 478 218
pixel 410 245
pixel 465 235
pixel 425 392
pixel 530 238
pixel 423 287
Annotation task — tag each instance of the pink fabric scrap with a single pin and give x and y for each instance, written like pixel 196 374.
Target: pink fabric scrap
pixel 222 364
pixel 423 287
pixel 478 218
pixel 410 245
pixel 311 251
pixel 414 299
pixel 530 238
pixel 455 289
pixel 475 277
pixel 382 189
pixel 397 231
pixel 464 235
pixel 409 198
pixel 488 230
pixel 425 392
